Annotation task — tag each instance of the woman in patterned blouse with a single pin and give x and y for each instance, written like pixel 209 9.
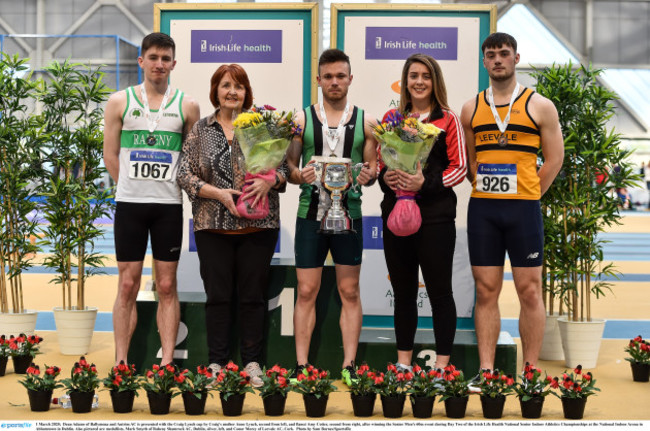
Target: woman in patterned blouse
pixel 234 252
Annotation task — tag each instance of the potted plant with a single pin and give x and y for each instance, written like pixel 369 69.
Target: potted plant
pixel 194 388
pixel 39 387
pixel 315 385
pixel 392 387
pixel 454 392
pixel 574 388
pixel 19 172
pixel 81 385
pixel 72 122
pixel 495 387
pixel 160 382
pixel 639 351
pixel 5 352
pixel 531 390
pixel 232 385
pixel 577 207
pixel 362 391
pixel 23 349
pixel 274 390
pixel 423 390
pixel 123 384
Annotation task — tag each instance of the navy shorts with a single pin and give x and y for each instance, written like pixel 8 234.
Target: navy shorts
pixel 133 223
pixel 497 226
pixel 311 247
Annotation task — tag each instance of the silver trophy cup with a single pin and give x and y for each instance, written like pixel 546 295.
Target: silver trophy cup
pixel 335 175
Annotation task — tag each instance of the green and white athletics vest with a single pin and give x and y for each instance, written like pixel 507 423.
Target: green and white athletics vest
pixel 147 167
pixel 312 203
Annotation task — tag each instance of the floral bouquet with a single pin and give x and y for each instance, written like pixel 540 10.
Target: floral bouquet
pixel 532 384
pixel 34 381
pixel 264 136
pixel 275 381
pixel 425 383
pixel 496 384
pixel 24 345
pixel 454 384
pixel 161 379
pixel 393 382
pixel 198 383
pixel 83 377
pixel 314 381
pixel 405 142
pixel 575 385
pixel 639 351
pixel 365 382
pixel 122 378
pixel 230 381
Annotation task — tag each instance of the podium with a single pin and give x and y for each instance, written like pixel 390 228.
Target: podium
pixel 376 345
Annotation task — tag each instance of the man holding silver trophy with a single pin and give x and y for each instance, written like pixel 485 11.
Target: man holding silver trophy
pixel 338 154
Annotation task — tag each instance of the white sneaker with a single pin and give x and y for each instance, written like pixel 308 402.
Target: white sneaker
pixel 215 369
pixel 255 372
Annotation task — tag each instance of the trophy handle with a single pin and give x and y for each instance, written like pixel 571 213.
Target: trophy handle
pixel 318 170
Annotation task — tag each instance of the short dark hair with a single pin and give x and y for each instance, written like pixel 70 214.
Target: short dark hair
pixel 160 40
pixel 333 55
pixel 239 75
pixel 496 40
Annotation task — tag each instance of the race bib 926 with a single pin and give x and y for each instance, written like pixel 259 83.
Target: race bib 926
pixel 497 178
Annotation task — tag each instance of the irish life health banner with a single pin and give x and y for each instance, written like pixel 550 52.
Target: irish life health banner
pixel 274 45
pixel 378 41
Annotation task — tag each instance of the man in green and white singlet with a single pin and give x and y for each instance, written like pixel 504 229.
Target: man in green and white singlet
pixel 144 128
pixel 338 129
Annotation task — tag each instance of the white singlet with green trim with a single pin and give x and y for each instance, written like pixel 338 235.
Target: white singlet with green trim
pixel 147 166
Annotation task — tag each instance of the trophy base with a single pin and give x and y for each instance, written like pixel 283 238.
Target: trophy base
pixel 335 226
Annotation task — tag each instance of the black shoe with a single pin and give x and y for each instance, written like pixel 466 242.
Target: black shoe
pixel 300 369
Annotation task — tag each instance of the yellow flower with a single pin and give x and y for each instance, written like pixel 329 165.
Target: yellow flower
pixel 411 122
pixel 428 130
pixel 247 119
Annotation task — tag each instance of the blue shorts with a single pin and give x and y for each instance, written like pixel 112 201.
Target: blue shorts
pixel 311 247
pixel 497 226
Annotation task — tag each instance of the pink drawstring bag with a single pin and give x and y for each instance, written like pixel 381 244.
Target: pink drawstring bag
pixel 245 201
pixel 405 218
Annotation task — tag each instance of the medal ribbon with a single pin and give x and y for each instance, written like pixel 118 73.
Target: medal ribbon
pixel 333 140
pixel 502 125
pixel 152 122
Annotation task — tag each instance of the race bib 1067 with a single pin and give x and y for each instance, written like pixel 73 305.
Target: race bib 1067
pixel 150 165
pixel 497 178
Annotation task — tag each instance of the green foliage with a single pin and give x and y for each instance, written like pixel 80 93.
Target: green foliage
pixel 72 118
pixel 576 207
pixel 20 164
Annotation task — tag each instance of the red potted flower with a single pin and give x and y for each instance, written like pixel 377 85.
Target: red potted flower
pixel 392 387
pixel 639 351
pixel 23 349
pixel 454 392
pixel 123 384
pixel 423 390
pixel 315 385
pixel 40 386
pixel 274 390
pixel 232 385
pixel 362 391
pixel 532 390
pixel 495 387
pixel 160 382
pixel 574 388
pixel 194 388
pixel 81 385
